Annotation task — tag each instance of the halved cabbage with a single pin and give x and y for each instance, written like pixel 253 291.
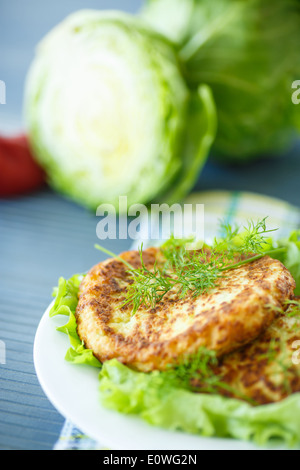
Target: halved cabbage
pixel 109 113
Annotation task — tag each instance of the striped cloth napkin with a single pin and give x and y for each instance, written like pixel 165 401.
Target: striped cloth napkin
pixel 230 207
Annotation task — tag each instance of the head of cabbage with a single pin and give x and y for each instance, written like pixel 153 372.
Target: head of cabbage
pixel 248 52
pixel 109 114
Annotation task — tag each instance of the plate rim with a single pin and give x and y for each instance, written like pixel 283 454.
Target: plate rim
pixel 107 441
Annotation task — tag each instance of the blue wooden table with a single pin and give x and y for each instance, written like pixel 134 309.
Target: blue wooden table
pixel 44 236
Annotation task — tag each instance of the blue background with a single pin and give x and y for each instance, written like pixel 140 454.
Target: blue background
pixel 44 236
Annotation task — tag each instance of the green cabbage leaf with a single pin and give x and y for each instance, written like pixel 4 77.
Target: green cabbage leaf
pixel 248 52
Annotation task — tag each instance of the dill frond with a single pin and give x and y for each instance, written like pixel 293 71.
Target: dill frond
pixel 193 272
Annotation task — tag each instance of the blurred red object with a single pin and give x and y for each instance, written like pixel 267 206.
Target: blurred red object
pixel 19 173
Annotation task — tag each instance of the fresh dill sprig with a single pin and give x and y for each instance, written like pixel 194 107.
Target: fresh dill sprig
pixel 249 239
pixel 271 353
pixel 184 272
pixel 294 308
pixel 290 308
pixel 280 358
pixel 255 236
pixel 193 271
pixel 227 242
pixel 175 250
pixel 197 276
pixel 149 287
pixel 197 373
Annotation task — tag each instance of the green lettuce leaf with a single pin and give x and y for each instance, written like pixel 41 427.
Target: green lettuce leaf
pixel 291 259
pixel 160 404
pixel 65 303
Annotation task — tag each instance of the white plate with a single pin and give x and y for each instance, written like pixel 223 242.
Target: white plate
pixel 73 391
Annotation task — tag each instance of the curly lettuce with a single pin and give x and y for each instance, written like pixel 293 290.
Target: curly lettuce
pixel 163 405
pixel 65 303
pixel 291 257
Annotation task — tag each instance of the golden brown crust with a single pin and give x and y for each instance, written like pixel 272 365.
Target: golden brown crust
pixel 234 313
pixel 266 370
